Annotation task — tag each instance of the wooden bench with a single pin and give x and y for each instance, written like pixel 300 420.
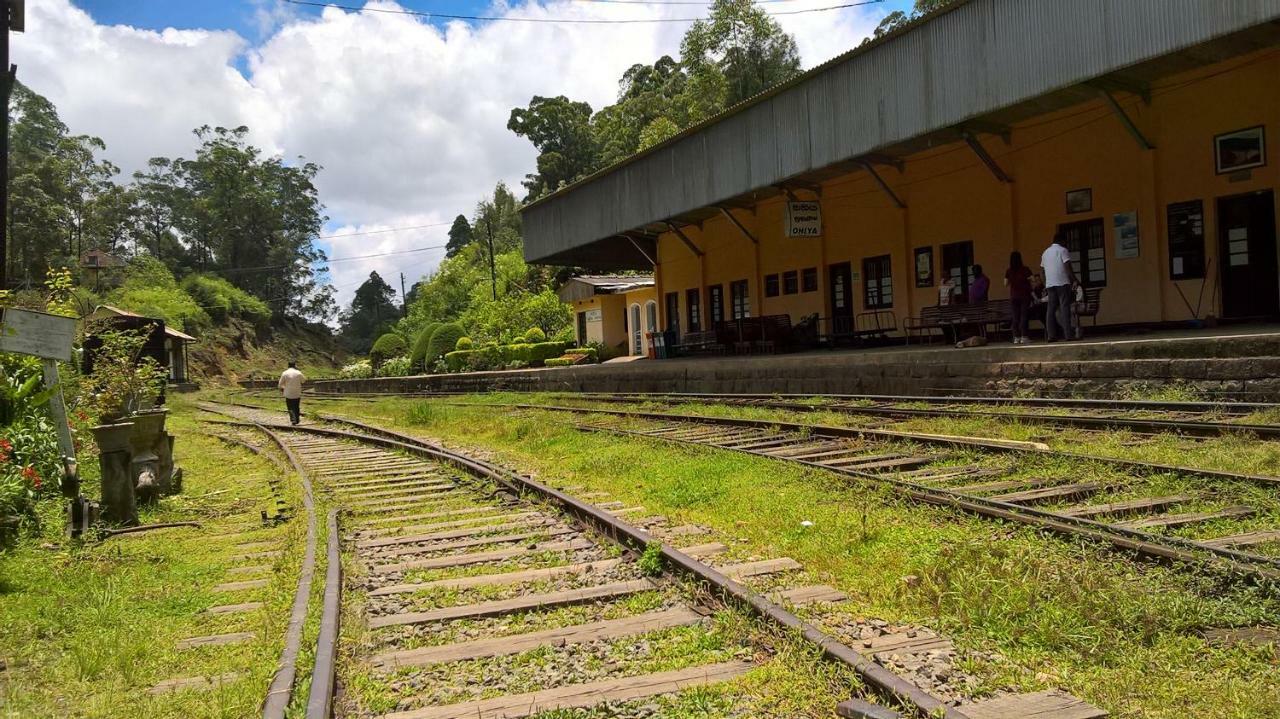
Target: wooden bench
pixel 1092 301
pixel 952 317
pixel 701 341
pixel 751 334
pixel 865 325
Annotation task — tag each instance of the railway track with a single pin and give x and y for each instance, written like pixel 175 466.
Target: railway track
pixel 1190 419
pixel 1221 520
pixel 1194 419
pixel 460 569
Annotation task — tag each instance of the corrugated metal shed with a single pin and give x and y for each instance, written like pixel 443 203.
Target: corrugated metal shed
pixel 980 59
pixel 586 287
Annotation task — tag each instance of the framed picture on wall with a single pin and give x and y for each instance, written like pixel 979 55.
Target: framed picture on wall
pixel 1080 200
pixel 924 267
pixel 1240 150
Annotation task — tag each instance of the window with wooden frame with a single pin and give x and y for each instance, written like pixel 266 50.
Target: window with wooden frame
pixel 809 279
pixel 877 283
pixel 715 298
pixel 790 282
pixel 740 299
pixel 771 286
pixel 693 307
pixel 1086 243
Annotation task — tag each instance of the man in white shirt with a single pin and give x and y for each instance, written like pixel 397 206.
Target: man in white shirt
pixel 291 385
pixel 1058 279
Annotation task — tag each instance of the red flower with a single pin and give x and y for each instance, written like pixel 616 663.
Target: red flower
pixel 29 473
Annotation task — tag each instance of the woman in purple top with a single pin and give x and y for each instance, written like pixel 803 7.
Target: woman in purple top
pixel 1018 279
pixel 979 287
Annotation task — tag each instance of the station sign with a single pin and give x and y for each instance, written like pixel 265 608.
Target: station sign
pixel 37 334
pixel 804 219
pixel 595 315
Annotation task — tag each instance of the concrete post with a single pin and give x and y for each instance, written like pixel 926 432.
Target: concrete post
pixel 118 503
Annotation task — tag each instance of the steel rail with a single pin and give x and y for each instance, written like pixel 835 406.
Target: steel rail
pixel 1226 561
pixel 978 443
pixel 883 680
pixel 1140 424
pixel 280 691
pixel 324 672
pixel 1084 403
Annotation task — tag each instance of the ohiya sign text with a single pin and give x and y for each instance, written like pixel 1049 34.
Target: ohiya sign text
pixel 804 219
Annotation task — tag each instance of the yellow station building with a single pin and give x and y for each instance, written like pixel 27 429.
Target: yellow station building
pixel 1142 129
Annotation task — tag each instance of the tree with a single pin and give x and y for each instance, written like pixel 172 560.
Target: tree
pixel 560 129
pixel 657 132
pixel 459 236
pixel 736 53
pixel 898 18
pixel 255 217
pixel 372 311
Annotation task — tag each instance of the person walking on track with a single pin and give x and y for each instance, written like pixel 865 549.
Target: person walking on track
pixel 291 386
pixel 1058 280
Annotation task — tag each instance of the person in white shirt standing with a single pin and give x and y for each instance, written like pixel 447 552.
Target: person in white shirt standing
pixel 1058 280
pixel 291 385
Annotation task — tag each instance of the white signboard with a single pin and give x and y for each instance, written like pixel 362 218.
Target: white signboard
pixel 594 315
pixel 804 219
pixel 37 334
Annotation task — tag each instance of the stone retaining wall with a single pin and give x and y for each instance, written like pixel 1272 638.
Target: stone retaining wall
pixel 1231 367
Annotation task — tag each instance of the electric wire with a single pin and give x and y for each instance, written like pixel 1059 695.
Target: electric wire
pixel 559 21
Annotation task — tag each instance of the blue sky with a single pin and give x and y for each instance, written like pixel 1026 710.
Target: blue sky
pixel 241 15
pixel 407 117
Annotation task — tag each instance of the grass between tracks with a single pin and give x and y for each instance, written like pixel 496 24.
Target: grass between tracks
pixel 1119 633
pixel 86 628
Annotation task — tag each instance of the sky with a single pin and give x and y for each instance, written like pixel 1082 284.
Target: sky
pixel 407 115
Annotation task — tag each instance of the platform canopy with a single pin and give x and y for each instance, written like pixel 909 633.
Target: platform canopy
pixel 972 68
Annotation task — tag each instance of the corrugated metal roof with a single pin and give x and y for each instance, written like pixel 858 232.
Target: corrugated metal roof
pixel 169 331
pixel 587 286
pixel 968 60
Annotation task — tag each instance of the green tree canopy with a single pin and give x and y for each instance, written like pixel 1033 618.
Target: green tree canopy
pixel 459 236
pixel 737 52
pixel 561 131
pixel 372 311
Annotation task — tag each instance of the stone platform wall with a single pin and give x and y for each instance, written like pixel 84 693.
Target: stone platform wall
pixel 1230 367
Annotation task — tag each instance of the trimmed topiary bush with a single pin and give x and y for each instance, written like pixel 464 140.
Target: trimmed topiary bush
pixel 464 343
pixel 535 335
pixel 543 351
pixel 442 342
pixel 558 362
pixel 416 357
pixel 387 346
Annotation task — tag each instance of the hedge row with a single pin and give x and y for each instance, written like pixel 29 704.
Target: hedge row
pixel 502 356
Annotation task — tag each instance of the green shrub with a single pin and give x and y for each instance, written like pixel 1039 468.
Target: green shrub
pixel 464 343
pixel 387 346
pixel 558 362
pixel 442 342
pixel 395 367
pixel 356 370
pixel 543 351
pixel 459 360
pixel 589 352
pixel 419 353
pixel 535 335
pixel 221 300
pixel 170 304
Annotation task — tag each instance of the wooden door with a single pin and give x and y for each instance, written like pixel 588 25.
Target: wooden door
pixel 1247 255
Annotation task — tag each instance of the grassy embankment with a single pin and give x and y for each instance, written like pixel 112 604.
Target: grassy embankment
pixel 86 628
pixel 1118 633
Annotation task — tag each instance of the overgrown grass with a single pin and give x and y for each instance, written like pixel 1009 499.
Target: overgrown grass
pixel 1116 632
pixel 87 628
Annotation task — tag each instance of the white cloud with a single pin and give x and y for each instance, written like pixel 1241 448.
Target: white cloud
pixel 407 119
